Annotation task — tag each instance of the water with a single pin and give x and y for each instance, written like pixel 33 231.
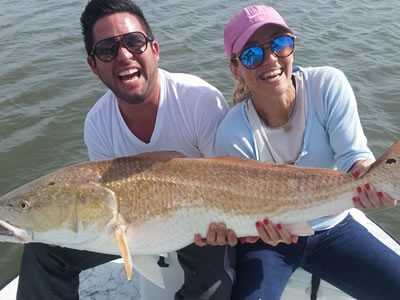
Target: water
pixel 46 87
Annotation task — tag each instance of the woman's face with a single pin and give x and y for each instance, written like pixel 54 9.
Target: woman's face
pixel 273 77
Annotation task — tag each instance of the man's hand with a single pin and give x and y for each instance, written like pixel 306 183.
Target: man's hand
pixel 217 235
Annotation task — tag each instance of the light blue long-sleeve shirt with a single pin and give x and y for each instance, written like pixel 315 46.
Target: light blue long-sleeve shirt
pixel 333 136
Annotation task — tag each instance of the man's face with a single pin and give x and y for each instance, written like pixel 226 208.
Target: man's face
pixel 132 77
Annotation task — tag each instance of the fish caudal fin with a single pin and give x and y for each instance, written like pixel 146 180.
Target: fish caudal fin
pixel 123 247
pixel 300 229
pixel 147 266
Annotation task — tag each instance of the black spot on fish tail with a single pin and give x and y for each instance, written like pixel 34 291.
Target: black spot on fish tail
pixel 390 161
pixel 162 263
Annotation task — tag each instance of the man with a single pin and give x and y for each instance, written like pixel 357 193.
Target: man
pixel 145 109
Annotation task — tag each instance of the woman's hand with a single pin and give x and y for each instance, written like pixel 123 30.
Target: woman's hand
pixel 366 197
pixel 272 234
pixel 217 235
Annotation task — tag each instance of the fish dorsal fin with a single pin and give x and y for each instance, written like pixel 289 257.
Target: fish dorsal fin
pixel 393 151
pixel 160 155
pixel 236 159
pixel 272 165
pixel 123 247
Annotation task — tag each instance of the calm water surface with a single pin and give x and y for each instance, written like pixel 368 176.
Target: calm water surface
pixel 46 87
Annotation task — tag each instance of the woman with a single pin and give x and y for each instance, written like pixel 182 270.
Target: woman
pixel 305 117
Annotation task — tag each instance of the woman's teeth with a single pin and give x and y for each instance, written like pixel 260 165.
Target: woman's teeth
pixel 272 74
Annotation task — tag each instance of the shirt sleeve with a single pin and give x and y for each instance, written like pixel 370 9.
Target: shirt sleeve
pixel 343 124
pixel 211 109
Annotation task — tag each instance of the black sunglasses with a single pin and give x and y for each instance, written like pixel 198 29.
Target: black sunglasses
pixel 135 42
pixel 253 55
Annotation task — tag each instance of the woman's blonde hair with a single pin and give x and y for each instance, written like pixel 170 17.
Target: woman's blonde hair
pixel 240 92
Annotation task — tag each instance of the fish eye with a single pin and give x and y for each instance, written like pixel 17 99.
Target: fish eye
pixel 24 204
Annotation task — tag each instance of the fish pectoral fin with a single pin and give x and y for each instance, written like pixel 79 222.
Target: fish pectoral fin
pixel 300 229
pixel 147 266
pixel 123 247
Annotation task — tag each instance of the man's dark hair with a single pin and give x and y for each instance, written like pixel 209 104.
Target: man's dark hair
pixel 96 9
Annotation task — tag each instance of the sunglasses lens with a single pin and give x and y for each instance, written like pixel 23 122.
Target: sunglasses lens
pixel 106 50
pixel 282 46
pixel 252 57
pixel 135 42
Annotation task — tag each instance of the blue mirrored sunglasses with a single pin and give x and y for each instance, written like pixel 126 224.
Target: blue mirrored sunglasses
pixel 253 56
pixel 135 42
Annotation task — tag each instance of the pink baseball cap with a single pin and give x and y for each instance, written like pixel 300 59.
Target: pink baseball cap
pixel 243 25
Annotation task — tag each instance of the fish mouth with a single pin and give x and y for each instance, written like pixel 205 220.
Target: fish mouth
pixel 10 233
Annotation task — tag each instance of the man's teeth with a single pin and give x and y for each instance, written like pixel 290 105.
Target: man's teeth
pixel 128 72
